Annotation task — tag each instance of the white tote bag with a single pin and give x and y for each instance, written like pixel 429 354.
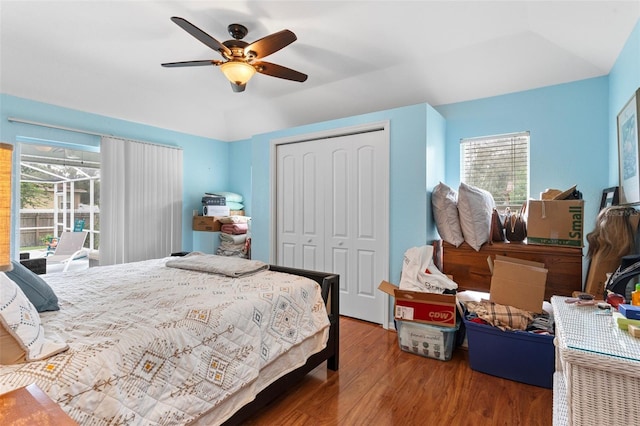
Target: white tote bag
pixel 419 273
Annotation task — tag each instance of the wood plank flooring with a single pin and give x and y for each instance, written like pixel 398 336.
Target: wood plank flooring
pixel 378 384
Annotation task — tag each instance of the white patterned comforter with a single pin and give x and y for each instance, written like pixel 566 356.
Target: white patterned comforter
pixel 156 345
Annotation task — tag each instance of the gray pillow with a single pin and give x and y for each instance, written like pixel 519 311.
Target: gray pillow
pixel 35 288
pixel 444 201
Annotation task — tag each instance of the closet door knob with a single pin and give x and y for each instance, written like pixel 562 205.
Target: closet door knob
pixel 309 240
pixel 340 243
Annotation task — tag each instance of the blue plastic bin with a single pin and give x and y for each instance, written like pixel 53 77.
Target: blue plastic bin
pixel 515 355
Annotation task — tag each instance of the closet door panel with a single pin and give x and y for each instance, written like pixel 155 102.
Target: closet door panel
pixel 288 255
pixel 287 222
pixel 300 218
pixel 367 283
pixel 366 180
pixel 340 262
pixel 288 209
pixel 339 195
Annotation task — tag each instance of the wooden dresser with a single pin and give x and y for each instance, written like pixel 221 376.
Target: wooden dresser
pixel 470 269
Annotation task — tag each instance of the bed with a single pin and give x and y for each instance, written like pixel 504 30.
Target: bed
pixel 154 343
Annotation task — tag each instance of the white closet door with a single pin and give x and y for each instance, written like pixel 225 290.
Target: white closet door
pixel 332 215
pixel 357 221
pixel 300 209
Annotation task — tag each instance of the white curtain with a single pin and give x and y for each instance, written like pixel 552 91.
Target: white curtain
pixel 140 201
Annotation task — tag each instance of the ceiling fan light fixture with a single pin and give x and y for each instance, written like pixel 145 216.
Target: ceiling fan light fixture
pixel 238 72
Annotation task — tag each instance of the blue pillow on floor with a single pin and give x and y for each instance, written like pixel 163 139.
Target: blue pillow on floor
pixel 35 288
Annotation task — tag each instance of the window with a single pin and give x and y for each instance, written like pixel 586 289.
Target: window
pixel 498 164
pixel 59 185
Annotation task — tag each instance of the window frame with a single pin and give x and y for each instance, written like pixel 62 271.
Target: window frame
pixel 515 204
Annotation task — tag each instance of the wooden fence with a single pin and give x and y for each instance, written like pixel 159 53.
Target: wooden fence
pixel 36 227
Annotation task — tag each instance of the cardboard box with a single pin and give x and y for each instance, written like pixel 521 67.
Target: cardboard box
pixel 517 282
pixel 206 223
pixel 429 341
pixel 556 222
pixel 426 308
pixel 210 210
pixel 212 223
pixel 515 355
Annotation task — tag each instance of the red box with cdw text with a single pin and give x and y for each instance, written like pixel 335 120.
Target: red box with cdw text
pixel 425 308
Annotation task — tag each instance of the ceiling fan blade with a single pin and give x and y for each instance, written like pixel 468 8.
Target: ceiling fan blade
pixel 279 71
pixel 202 36
pixel 192 63
pixel 270 44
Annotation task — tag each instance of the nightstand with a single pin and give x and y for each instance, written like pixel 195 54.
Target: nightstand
pixel 29 405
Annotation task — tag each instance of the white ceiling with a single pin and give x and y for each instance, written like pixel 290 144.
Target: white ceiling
pixel 361 56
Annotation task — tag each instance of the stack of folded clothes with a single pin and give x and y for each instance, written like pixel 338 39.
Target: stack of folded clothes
pixel 234 236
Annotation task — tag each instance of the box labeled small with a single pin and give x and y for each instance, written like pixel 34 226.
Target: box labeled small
pixel 556 222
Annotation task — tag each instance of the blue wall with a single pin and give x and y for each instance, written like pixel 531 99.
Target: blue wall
pixel 206 163
pixel 240 171
pixel 569 133
pixel 624 80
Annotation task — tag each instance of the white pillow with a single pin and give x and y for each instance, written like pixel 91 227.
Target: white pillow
pixel 20 319
pixel 444 201
pixel 475 206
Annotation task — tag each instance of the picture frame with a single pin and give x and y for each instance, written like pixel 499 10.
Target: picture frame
pixel 610 197
pixel 628 151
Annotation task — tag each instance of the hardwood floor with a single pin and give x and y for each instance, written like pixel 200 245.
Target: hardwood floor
pixel 378 384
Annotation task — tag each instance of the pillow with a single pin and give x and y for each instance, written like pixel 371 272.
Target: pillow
pixel 22 334
pixel 234 205
pixel 230 196
pixel 475 207
pixel 34 287
pixel 444 201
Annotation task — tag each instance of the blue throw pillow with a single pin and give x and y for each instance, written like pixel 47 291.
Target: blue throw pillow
pixel 35 288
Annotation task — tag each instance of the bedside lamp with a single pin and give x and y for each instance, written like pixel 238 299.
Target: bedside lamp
pixel 6 152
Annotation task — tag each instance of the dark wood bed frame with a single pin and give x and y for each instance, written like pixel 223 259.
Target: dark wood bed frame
pixel 330 293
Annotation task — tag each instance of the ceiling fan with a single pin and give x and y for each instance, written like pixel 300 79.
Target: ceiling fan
pixel 241 59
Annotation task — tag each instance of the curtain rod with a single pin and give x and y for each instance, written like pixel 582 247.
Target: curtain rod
pixel 86 132
pixel 53 126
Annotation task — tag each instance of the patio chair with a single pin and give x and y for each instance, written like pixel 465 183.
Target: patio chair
pixel 69 248
pixel 78 225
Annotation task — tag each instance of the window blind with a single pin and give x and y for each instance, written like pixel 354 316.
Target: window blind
pixel 498 164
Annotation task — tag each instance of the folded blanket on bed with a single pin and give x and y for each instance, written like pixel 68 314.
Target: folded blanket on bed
pixel 229 266
pixel 234 239
pixel 234 228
